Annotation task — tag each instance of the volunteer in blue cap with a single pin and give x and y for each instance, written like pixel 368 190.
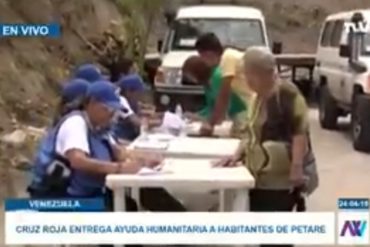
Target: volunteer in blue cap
pixel 127 126
pixel 78 153
pixel 88 72
pixel 72 97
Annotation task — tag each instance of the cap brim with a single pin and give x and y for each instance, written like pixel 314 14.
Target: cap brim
pixel 117 106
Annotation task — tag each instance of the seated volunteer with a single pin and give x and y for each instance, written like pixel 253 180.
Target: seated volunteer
pixel 196 71
pixel 72 96
pixel 277 143
pixel 131 87
pixel 80 153
pixel 230 64
pixel 88 72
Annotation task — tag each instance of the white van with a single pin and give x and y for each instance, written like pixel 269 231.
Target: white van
pixel 236 26
pixel 342 74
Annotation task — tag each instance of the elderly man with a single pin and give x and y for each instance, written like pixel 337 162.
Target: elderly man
pixel 275 147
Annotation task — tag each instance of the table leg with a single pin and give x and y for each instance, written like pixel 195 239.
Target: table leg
pixel 221 201
pixel 119 202
pixel 135 194
pixel 241 204
pixel 241 201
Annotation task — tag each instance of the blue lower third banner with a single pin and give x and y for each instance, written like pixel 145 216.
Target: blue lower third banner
pixel 47 30
pixel 40 228
pixel 55 205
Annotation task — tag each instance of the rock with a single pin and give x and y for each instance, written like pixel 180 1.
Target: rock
pixel 17 138
pixel 22 163
pixel 36 132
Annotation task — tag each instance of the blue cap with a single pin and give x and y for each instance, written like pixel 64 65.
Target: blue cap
pixel 75 89
pixel 106 93
pixel 88 72
pixel 131 82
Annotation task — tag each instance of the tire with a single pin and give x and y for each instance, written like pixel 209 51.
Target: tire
pixel 360 119
pixel 328 110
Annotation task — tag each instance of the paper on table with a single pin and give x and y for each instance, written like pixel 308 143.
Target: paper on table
pixel 150 144
pixel 152 171
pixel 172 121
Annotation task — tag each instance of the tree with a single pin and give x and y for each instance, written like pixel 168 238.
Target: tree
pixel 139 22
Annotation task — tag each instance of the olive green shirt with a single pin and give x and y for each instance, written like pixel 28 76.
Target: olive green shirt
pixel 270 128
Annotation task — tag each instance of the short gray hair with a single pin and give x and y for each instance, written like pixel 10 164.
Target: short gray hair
pixel 260 58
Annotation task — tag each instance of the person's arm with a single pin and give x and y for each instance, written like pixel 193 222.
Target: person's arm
pixel 300 140
pixel 234 159
pixel 80 161
pixel 72 143
pixel 228 67
pixel 135 120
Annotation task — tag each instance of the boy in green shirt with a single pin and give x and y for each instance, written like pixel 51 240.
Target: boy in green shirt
pixel 196 71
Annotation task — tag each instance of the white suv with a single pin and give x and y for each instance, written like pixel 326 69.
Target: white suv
pixel 236 26
pixel 342 74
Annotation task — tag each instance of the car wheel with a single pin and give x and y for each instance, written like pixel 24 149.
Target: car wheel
pixel 360 119
pixel 328 110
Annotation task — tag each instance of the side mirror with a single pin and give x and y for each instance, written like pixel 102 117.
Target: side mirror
pixel 344 51
pixel 277 47
pixel 359 67
pixel 159 45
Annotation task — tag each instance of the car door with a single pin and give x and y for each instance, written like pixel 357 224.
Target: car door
pixel 327 63
pixel 340 63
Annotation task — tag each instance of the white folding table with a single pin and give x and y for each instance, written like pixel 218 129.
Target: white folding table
pixel 189 174
pixel 188 147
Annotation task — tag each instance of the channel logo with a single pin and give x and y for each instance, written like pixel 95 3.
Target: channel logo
pixel 354 228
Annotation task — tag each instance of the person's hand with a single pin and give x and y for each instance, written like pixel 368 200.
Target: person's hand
pixel 153 160
pixel 206 129
pixel 297 175
pixel 229 161
pixel 154 122
pixel 130 166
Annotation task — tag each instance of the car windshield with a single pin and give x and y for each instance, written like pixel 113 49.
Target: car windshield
pixel 235 33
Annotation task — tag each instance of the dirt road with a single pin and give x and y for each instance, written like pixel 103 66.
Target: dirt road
pixel 343 172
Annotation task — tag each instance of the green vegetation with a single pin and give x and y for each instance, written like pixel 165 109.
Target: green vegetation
pixel 141 16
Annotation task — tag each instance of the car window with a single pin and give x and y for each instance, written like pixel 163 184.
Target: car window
pixel 336 33
pixel 235 33
pixel 326 35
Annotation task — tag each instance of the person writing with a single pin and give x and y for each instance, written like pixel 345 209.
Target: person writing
pixel 276 137
pixel 80 152
pixel 230 70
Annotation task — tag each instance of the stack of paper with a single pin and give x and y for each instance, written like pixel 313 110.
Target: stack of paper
pixel 172 121
pixel 150 145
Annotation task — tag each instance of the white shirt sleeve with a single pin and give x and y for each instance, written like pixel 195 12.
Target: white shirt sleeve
pixel 72 135
pixel 126 105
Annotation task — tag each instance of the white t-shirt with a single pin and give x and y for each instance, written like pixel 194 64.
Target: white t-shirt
pixel 126 105
pixel 72 134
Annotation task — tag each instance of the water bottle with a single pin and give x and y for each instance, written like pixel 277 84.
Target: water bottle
pixel 144 128
pixel 179 113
